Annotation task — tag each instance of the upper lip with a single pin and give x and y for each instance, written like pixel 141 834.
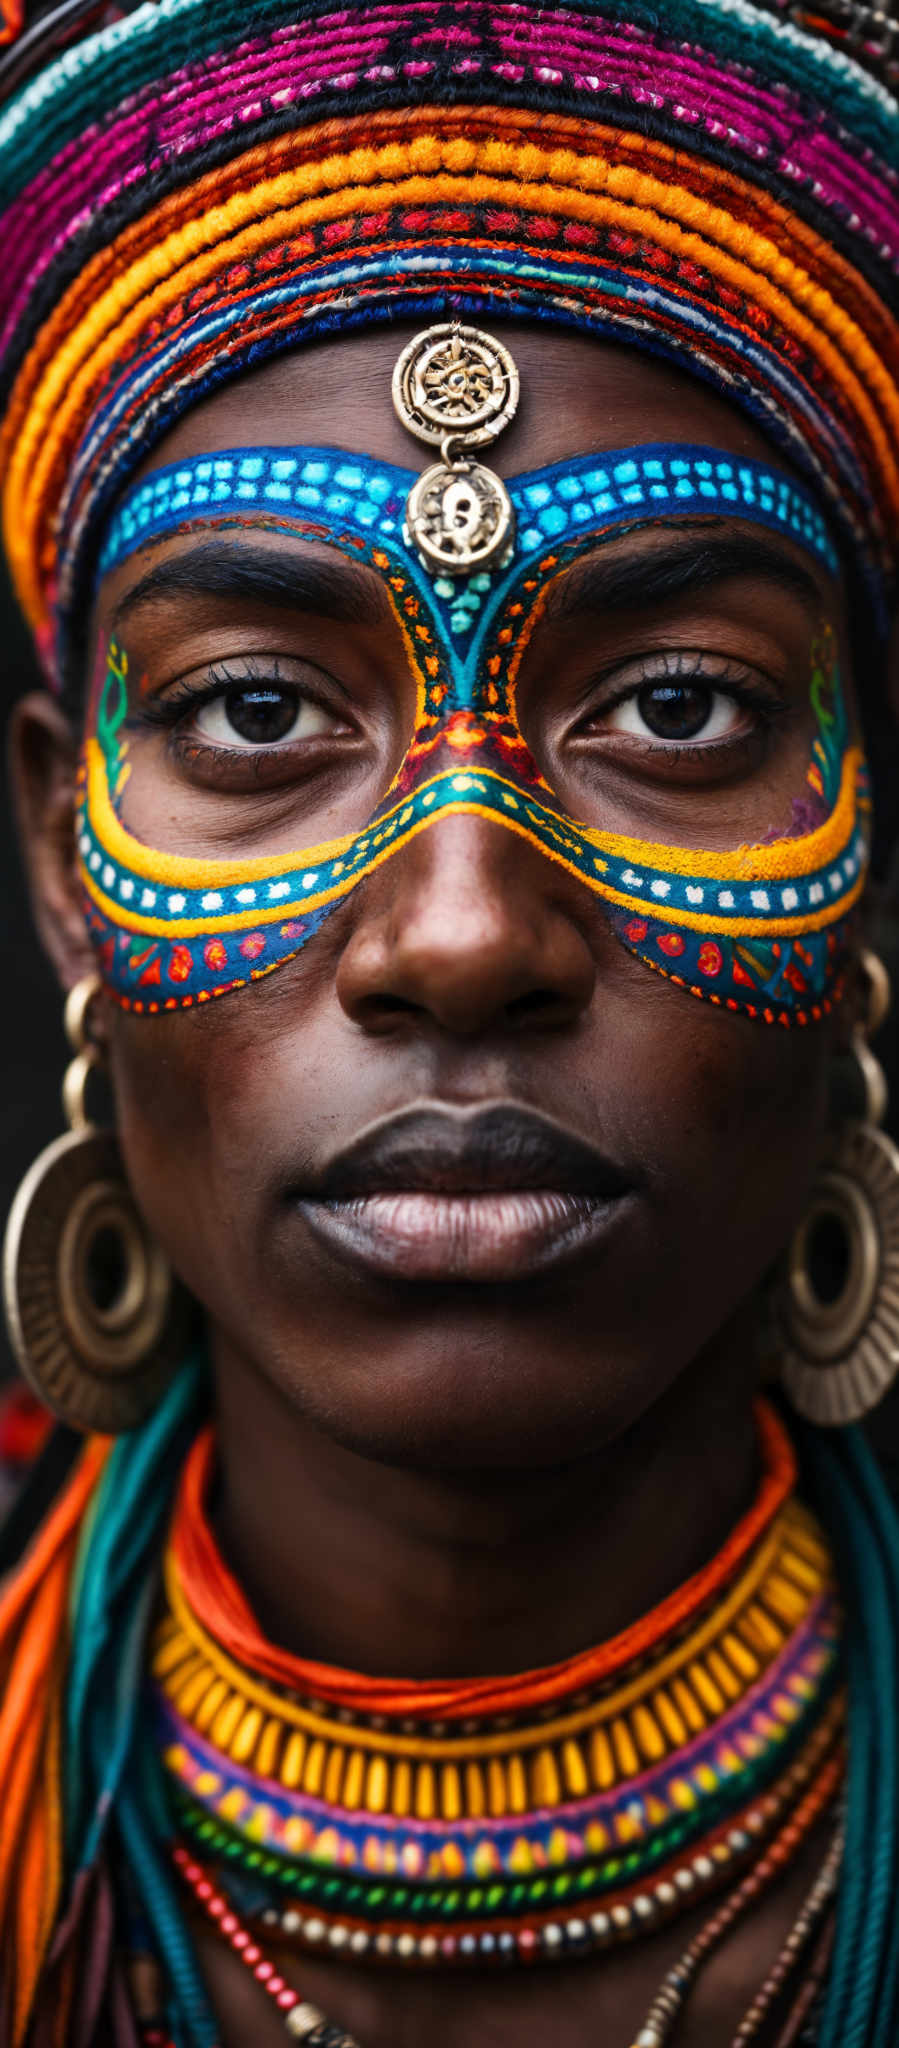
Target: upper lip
pixel 437 1150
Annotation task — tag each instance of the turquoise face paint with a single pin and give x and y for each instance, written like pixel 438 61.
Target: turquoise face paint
pixel 760 929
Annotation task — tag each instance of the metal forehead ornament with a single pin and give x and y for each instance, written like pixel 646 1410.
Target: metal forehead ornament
pixel 457 387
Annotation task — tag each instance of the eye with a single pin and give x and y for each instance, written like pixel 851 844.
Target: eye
pixel 675 711
pixel 261 715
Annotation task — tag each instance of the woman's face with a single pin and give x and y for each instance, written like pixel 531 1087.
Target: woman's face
pixel 462 1178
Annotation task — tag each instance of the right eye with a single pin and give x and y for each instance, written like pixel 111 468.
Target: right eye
pixel 261 715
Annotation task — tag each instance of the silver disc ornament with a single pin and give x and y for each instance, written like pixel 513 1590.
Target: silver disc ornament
pixel 459 519
pixel 95 1318
pixel 457 388
pixel 838 1308
pixel 455 382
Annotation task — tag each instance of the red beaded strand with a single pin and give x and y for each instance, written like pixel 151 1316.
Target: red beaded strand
pixel 302 2019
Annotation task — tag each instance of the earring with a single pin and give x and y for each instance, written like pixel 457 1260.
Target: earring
pixel 838 1311
pixel 95 1318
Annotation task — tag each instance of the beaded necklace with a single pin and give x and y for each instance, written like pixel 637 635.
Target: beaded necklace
pixel 517 1819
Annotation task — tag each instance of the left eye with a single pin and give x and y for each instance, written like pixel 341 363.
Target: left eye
pixel 675 711
pixel 259 715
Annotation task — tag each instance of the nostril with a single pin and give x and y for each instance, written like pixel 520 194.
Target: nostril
pixel 385 1010
pixel 537 1006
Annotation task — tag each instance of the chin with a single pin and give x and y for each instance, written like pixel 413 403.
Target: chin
pixel 469 1391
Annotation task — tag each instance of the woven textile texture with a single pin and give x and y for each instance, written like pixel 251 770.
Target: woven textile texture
pixel 188 188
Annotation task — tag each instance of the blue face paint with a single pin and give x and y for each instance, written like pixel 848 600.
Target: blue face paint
pixel 758 929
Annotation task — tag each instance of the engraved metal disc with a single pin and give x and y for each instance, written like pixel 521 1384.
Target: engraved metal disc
pixel 460 519
pixel 95 1319
pixel 455 382
pixel 841 1348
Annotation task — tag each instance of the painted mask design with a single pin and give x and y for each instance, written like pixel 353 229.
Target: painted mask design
pixel 758 928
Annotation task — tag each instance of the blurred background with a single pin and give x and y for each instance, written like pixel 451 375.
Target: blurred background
pixel 33 1047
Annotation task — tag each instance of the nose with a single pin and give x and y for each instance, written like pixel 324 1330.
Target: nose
pixel 470 928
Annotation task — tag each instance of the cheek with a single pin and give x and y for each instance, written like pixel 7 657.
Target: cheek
pixel 732 1112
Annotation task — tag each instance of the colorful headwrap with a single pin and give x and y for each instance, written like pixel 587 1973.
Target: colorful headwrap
pixel 189 188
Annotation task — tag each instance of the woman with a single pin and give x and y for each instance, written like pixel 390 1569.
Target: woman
pixel 451 470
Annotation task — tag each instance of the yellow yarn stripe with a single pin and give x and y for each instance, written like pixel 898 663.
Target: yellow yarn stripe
pixel 580 188
pixel 693 1682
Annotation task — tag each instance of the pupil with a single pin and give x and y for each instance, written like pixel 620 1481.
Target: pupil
pixel 675 711
pixel 260 714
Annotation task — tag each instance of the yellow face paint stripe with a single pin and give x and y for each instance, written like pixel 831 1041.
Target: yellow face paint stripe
pixel 741 927
pixel 784 859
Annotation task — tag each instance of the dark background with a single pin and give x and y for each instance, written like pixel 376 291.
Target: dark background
pixel 33 1049
pixel 32 1046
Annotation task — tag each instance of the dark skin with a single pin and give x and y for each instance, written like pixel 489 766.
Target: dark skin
pixel 457 1477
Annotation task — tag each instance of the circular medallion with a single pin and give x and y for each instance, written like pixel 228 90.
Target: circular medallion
pixel 839 1309
pixel 459 519
pixel 455 383
pixel 93 1313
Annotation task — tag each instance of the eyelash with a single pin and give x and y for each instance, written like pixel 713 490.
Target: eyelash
pixel 168 710
pixel 729 678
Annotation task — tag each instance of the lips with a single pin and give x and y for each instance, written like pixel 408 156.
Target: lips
pixel 435 1194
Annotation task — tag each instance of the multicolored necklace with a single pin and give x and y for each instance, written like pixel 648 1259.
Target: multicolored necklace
pixel 512 1819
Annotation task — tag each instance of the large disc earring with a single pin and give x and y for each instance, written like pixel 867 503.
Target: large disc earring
pixel 95 1318
pixel 838 1309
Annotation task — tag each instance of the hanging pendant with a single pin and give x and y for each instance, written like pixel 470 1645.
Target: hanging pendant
pixel 457 388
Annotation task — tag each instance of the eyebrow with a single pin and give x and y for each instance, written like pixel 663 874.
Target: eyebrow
pixel 291 580
pixel 675 568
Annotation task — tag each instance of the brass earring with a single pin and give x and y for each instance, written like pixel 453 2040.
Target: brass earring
pixel 95 1318
pixel 838 1310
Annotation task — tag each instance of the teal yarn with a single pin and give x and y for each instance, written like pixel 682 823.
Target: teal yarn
pixel 144 1828
pixel 110 1774
pixel 861 2008
pixel 115 1588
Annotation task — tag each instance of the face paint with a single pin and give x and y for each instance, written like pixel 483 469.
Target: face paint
pixel 758 929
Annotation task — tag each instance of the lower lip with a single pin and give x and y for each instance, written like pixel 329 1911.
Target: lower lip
pixel 479 1237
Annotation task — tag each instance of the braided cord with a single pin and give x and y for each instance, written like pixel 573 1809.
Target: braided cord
pixel 114 1584
pixel 861 2007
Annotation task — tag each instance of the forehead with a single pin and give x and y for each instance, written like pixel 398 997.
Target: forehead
pixel 578 396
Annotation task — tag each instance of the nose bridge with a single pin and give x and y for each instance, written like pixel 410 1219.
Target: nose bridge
pixel 459 875
pixel 467 924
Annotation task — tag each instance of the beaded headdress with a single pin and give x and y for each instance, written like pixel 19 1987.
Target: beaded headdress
pixel 186 189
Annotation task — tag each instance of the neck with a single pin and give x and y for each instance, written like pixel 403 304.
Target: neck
pixel 426 1574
